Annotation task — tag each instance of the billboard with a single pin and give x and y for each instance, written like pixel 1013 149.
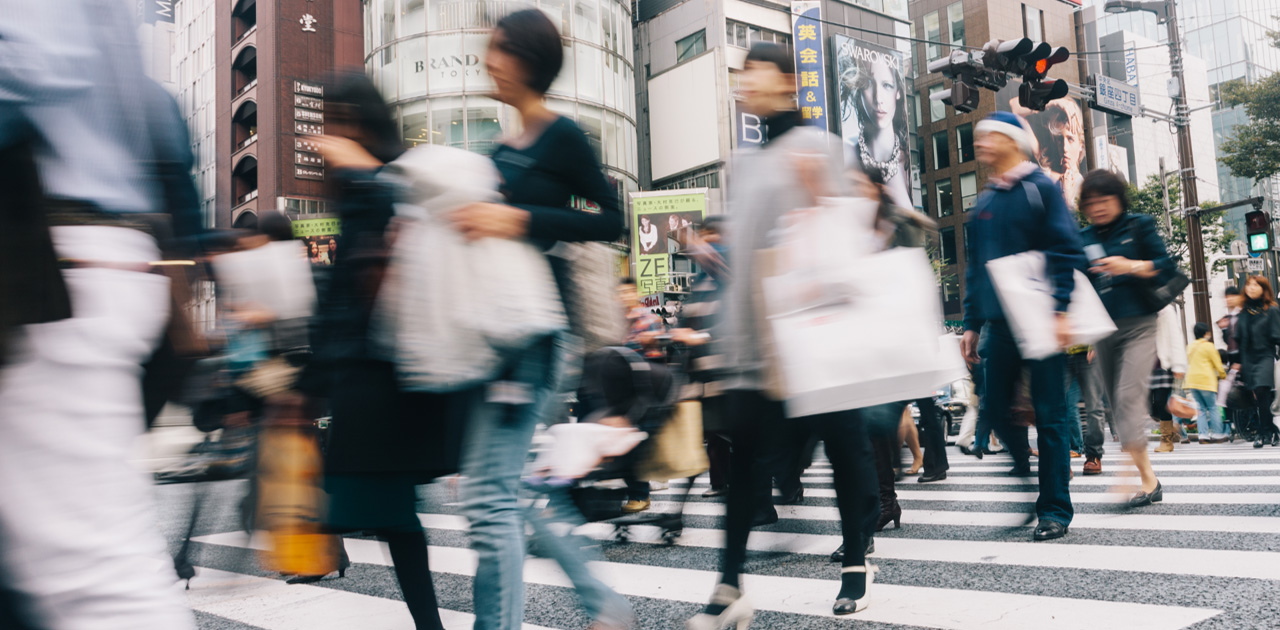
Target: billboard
pixel 657 217
pixel 1058 138
pixel 873 113
pixel 811 81
pixel 320 237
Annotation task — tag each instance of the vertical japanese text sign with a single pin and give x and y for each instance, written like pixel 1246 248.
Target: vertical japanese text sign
pixel 810 62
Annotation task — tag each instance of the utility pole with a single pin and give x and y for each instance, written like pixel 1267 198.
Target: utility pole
pixel 1168 229
pixel 1190 198
pixel 1167 13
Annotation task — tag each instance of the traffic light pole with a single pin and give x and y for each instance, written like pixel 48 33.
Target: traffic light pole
pixel 1190 198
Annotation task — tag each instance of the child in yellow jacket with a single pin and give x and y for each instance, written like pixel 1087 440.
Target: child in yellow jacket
pixel 1204 369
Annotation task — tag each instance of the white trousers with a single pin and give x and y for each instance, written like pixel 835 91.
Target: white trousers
pixel 969 426
pixel 81 540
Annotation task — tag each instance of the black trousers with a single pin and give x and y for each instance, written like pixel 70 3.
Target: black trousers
pixel 1262 397
pixel 757 424
pixel 933 438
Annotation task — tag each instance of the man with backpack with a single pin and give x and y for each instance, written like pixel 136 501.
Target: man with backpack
pixel 1022 210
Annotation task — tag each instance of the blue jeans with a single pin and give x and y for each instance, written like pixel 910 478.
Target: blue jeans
pixel 1003 362
pixel 1073 414
pixel 504 417
pixel 569 551
pixel 1208 422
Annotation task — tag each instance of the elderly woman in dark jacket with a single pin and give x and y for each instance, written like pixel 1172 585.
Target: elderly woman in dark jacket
pixel 1258 333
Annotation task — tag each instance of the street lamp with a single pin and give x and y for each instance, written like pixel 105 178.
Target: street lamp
pixel 1166 13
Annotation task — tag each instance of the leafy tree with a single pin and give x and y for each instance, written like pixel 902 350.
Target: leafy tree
pixel 1254 152
pixel 1217 238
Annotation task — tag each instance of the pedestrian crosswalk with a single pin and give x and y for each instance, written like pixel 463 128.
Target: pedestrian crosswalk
pixel 1207 557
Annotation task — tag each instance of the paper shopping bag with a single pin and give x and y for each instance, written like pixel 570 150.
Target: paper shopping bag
pixel 676 451
pixel 882 344
pixel 1026 295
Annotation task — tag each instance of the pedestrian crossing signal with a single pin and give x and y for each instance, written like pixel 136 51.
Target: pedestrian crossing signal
pixel 1258 227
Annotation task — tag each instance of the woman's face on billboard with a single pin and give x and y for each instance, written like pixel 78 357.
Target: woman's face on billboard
pixel 880 96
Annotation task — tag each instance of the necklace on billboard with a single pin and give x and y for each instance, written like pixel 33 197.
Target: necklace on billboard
pixel 888 168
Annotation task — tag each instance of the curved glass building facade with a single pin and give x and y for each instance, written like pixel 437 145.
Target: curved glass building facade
pixel 427 58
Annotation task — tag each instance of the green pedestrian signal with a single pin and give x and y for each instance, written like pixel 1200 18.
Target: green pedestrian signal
pixel 1258 227
pixel 1259 242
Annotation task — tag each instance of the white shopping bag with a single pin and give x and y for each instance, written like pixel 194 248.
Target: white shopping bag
pixel 275 277
pixel 878 343
pixel 1025 294
pixel 450 309
pixel 1224 387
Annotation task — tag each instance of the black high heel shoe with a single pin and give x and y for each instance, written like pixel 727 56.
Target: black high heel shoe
pixel 343 564
pixel 853 596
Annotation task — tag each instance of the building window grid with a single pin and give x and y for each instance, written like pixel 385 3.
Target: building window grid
pixel 744 35
pixel 946 204
pixel 706 178
pixel 964 143
pixel 691 46
pixel 941 154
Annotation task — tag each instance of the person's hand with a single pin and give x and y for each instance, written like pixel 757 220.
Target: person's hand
pixel 1235 366
pixel 341 152
pixel 490 220
pixel 617 422
pixel 1092 354
pixel 1115 266
pixel 969 347
pixel 690 337
pixel 1178 375
pixel 1064 331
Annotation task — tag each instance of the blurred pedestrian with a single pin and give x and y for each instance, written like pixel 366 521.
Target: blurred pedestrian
pixel 796 165
pixel 382 442
pixel 80 540
pixel 1204 370
pixel 1258 335
pixel 1127 256
pixel 1022 210
pixel 542 168
pixel 1170 368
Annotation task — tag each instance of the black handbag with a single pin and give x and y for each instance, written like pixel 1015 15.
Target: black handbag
pixel 1160 291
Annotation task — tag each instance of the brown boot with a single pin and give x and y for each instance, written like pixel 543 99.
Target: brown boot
pixel 1168 436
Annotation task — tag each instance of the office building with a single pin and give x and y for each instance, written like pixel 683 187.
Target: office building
pixel 951 176
pixel 688 56
pixel 427 59
pixel 269 69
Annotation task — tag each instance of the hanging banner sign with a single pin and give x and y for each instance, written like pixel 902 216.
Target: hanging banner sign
pixel 811 64
pixel 656 219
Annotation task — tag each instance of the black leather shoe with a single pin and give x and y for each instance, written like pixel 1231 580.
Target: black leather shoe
pixel 1020 472
pixel 838 555
pixel 1147 498
pixel 931 478
pixel 1050 530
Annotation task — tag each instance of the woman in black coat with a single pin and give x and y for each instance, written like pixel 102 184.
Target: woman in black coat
pixel 382 442
pixel 1258 331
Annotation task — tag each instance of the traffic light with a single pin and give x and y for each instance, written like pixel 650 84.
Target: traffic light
pixel 1015 55
pixel 960 67
pixel 1035 95
pixel 1040 69
pixel 1258 227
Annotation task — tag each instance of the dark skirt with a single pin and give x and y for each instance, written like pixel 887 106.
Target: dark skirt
pixel 383 442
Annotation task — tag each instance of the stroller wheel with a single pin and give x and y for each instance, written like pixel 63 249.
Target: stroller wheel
pixel 622 534
pixel 670 536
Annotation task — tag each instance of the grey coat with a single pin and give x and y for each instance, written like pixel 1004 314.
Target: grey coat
pixel 763 187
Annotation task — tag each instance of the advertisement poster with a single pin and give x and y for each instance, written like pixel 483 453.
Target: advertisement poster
pixel 321 238
pixel 656 218
pixel 873 113
pixel 1058 142
pixel 811 82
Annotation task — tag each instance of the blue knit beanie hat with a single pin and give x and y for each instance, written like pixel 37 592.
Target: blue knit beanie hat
pixel 1011 125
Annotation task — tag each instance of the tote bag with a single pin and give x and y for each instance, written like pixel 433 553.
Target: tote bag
pixel 1024 291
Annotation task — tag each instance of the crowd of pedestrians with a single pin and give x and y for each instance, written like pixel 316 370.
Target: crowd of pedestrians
pixel 79 539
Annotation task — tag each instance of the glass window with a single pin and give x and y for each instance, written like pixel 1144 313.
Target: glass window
pixel 448 122
pixel 968 190
pixel 1033 23
pixel 414 17
pixel 937 109
pixel 413 77
pixel 941 155
pixel 955 17
pixel 590 75
pixel 948 246
pixel 586 21
pixel 964 142
pixel 610 140
pixel 968 229
pixel 691 46
pixel 945 206
pixel 558 11
pixel 951 283
pixel 414 124
pixel 564 83
pixel 933 33
pixel 589 121
pixel 483 130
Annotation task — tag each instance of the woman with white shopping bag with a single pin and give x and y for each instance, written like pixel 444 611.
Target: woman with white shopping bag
pixel 796 164
pixel 1127 257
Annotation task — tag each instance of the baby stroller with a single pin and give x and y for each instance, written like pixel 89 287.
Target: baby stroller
pixel 624 404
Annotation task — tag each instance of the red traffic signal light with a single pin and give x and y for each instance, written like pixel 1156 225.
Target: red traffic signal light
pixel 1042 66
